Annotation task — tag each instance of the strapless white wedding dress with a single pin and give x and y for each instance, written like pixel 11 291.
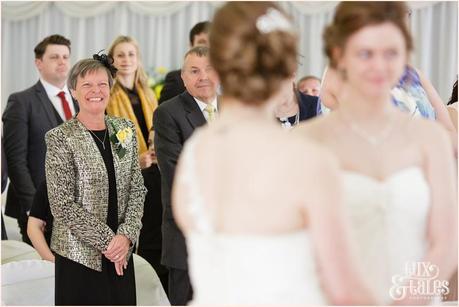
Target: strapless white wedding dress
pixel 246 269
pixel 388 224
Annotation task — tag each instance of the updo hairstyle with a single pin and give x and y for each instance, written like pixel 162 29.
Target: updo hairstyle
pixel 252 63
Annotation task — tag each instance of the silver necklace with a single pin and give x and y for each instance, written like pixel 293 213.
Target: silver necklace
pixel 373 140
pixel 105 134
pixel 102 142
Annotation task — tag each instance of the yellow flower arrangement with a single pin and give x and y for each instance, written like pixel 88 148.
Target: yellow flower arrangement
pixel 121 139
pixel 156 79
pixel 124 136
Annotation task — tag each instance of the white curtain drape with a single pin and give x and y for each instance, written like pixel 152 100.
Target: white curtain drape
pixel 162 27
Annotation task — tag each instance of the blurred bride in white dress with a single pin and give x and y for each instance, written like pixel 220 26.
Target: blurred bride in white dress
pixel 260 208
pixel 398 171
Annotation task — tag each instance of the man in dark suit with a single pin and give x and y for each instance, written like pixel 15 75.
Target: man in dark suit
pixel 174 122
pixel 296 107
pixel 28 116
pixel 173 83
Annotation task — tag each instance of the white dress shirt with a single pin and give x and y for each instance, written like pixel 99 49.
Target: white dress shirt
pixel 52 92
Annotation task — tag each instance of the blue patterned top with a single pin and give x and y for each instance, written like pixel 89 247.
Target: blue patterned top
pixel 408 95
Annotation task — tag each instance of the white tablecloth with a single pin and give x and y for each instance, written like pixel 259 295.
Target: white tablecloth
pixel 16 250
pixel 27 280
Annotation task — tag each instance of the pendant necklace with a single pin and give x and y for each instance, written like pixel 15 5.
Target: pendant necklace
pixel 105 134
pixel 102 142
pixel 373 140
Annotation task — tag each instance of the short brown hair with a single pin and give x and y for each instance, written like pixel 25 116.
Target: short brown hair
pixel 82 67
pixel 351 16
pixel 251 64
pixel 200 27
pixel 55 39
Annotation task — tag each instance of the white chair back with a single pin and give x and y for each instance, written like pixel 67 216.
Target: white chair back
pixel 28 282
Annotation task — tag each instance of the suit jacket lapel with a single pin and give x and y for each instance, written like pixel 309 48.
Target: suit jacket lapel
pixel 194 113
pixel 46 104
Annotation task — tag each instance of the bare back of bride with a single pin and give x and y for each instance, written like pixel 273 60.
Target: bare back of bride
pixel 256 211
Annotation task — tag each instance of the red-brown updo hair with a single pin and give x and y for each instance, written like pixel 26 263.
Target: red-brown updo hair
pixel 251 64
pixel 351 16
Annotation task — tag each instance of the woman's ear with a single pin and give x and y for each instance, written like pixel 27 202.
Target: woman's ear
pixel 337 56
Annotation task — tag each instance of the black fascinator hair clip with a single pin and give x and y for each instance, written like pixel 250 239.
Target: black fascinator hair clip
pixel 107 61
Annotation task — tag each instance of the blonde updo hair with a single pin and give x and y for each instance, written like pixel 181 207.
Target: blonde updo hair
pixel 351 16
pixel 251 64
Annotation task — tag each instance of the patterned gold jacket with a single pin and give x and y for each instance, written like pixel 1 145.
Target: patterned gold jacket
pixel 78 191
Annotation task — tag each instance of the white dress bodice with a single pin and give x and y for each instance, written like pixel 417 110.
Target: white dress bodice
pixel 388 224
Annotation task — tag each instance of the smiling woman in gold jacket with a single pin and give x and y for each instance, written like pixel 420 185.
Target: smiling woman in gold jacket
pixel 96 195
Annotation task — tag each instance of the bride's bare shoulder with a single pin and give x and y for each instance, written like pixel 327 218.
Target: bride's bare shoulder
pixel 314 128
pixel 310 149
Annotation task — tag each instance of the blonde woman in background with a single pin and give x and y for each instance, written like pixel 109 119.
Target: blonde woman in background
pixel 131 98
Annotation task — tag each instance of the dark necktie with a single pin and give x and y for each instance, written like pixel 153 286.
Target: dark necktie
pixel 65 105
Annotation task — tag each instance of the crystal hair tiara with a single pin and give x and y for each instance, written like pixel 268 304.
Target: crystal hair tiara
pixel 273 20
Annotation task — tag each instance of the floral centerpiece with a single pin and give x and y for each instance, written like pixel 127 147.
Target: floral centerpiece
pixel 156 79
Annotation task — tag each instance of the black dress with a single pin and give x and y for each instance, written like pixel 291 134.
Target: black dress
pixel 150 238
pixel 76 284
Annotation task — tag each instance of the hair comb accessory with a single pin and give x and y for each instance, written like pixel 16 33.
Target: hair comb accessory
pixel 273 20
pixel 107 61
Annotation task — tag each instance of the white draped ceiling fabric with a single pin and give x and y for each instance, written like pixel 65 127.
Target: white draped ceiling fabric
pixel 162 27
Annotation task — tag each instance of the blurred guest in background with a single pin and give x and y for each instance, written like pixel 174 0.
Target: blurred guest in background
pixel 309 85
pixel 28 116
pixel 173 85
pixel 295 107
pixel 174 122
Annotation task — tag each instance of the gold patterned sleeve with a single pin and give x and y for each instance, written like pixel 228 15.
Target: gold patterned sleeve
pixel 61 182
pixel 132 223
